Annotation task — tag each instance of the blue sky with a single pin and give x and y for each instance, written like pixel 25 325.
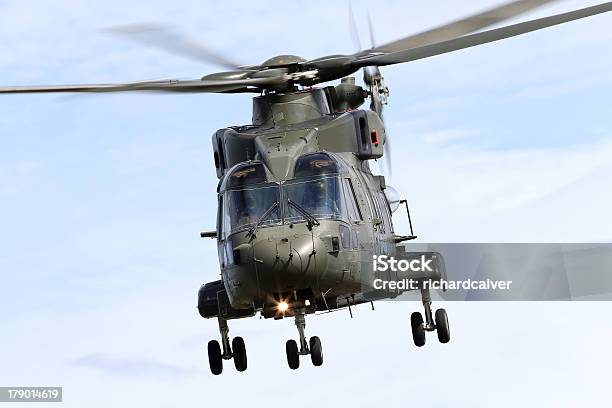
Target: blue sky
pixel 103 198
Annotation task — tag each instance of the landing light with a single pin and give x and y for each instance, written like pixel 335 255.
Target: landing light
pixel 282 307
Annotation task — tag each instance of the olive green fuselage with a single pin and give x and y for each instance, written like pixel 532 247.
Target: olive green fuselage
pixel 299 249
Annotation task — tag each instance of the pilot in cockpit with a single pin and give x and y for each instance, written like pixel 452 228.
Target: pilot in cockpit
pixel 319 201
pixel 248 210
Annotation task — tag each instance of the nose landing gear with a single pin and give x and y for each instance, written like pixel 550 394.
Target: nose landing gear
pixel 237 351
pixel 419 327
pixel 313 347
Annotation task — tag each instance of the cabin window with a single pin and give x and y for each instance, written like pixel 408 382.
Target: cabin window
pixel 315 164
pixel 345 236
pixel 320 197
pixel 247 206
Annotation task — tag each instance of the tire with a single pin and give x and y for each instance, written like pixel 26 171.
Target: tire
pixel 240 355
pixel 418 329
pixel 442 326
pixel 214 357
pixel 293 355
pixel 316 351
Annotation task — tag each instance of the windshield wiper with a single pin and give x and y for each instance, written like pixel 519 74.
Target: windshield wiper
pixel 253 229
pixel 311 218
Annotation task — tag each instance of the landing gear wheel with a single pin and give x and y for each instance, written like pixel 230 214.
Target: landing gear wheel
pixel 316 351
pixel 239 351
pixel 293 355
pixel 418 329
pixel 442 326
pixel 214 357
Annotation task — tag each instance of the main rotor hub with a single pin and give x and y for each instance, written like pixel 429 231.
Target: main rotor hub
pixel 283 60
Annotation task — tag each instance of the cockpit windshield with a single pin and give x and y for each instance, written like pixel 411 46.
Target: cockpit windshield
pixel 250 201
pixel 319 196
pixel 246 206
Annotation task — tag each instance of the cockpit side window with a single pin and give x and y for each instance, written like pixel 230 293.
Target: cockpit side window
pixel 315 164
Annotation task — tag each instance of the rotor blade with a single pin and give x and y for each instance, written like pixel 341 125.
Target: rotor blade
pixel 353 29
pixel 461 27
pixel 196 85
pixel 166 39
pixel 386 159
pixel 386 165
pixel 372 41
pixel 480 38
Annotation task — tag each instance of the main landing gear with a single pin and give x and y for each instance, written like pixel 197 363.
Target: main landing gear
pixel 237 351
pixel 313 347
pixel 419 327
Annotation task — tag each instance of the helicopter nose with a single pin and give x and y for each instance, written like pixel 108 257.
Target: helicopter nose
pixel 291 262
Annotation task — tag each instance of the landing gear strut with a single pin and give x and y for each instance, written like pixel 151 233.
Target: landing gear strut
pixel 312 347
pixel 237 351
pixel 419 327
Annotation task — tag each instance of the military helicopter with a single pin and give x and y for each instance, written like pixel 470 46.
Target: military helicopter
pixel 298 205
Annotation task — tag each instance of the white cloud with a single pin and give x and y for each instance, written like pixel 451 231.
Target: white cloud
pixel 456 187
